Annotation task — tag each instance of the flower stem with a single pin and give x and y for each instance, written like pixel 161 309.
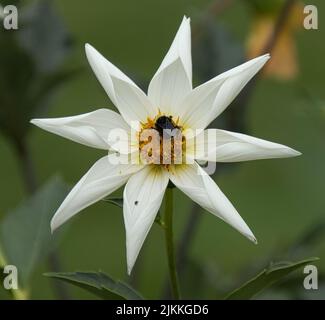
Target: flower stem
pixel 169 243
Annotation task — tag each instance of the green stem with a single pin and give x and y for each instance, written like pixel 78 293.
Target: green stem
pixel 170 244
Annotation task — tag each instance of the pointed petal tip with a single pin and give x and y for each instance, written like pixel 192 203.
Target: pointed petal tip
pixel 129 264
pixel 88 48
pixel 289 152
pixel 248 234
pixel 186 22
pixel 54 224
pixel 36 122
pixel 41 123
pixel 264 57
pixel 251 237
pixel 53 227
pixel 295 153
pixel 129 270
pixel 130 259
pixel 186 18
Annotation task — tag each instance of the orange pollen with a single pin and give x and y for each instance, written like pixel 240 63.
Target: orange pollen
pixel 161 141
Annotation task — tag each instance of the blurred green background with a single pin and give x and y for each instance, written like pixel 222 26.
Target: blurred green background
pixel 279 199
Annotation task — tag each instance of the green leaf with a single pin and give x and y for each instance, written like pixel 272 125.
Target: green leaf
pixel 25 235
pixel 266 278
pixel 99 284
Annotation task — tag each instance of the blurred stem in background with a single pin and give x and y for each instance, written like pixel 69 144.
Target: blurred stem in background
pixel 233 123
pixel 27 167
pixel 170 244
pixel 282 18
pixel 284 64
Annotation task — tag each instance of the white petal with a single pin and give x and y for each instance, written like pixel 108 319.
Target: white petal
pixel 129 99
pixel 210 99
pixel 142 198
pixel 104 177
pixel 90 129
pixel 133 104
pixel 226 146
pixel 173 80
pixel 197 185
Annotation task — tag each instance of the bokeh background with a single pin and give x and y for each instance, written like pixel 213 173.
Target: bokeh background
pixel 281 200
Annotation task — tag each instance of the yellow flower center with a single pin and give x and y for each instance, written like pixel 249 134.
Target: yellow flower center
pixel 161 141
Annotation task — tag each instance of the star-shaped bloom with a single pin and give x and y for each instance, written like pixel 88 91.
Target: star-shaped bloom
pixel 171 102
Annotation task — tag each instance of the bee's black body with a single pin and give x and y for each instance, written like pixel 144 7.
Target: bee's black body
pixel 163 123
